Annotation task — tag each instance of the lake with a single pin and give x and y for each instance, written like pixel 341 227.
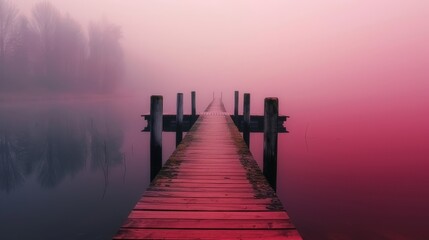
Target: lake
pixel 74 168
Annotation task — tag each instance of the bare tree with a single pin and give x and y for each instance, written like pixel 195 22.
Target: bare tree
pixel 46 19
pixel 71 52
pixel 105 55
pixel 8 15
pixel 50 51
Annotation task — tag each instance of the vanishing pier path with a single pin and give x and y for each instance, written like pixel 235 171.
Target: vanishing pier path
pixel 210 188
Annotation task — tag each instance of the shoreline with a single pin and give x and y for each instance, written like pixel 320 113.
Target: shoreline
pixel 53 96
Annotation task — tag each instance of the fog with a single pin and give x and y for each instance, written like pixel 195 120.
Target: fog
pixel 311 50
pixel 353 76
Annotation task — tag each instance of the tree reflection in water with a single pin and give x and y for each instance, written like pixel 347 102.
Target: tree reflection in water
pixel 56 142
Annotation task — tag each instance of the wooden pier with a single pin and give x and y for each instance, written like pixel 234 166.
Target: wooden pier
pixel 209 188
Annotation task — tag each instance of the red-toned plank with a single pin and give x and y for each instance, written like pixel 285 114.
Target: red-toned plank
pixel 205 185
pixel 206 234
pixel 208 215
pixel 198 194
pixel 205 177
pixel 206 170
pixel 202 189
pixel 213 181
pixel 201 207
pixel 257 201
pixel 208 223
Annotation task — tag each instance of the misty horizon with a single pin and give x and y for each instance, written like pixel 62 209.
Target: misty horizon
pixel 49 51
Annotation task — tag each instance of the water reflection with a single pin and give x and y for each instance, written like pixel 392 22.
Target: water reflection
pixel 57 141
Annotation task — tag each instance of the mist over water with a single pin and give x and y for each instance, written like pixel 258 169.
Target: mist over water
pixel 353 76
pixel 48 51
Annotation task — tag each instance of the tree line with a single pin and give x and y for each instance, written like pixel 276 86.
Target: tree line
pixel 57 142
pixel 49 50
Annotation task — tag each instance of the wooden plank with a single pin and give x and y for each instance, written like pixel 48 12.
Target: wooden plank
pixel 203 147
pixel 202 177
pixel 206 170
pixel 212 181
pixel 274 234
pixel 202 189
pixel 198 194
pixel 156 223
pixel 205 185
pixel 208 215
pixel 201 207
pixel 230 163
pixel 209 151
pixel 263 201
pixel 208 156
pixel 206 174
pixel 208 161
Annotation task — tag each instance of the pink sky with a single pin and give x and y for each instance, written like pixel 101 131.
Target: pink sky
pixel 317 49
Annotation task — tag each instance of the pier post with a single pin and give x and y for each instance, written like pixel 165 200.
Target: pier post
pixel 179 118
pixel 246 118
pixel 155 135
pixel 271 112
pixel 235 104
pixel 193 104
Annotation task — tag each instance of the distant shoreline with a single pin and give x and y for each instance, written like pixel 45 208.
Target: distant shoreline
pixel 50 96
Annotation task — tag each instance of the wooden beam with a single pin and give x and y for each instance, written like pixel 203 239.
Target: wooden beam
pixel 156 110
pixel 271 110
pixel 179 118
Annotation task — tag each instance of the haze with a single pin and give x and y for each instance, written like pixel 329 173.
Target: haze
pixel 353 76
pixel 304 50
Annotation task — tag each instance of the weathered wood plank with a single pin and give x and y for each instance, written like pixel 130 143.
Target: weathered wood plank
pixel 201 207
pixel 209 169
pixel 208 215
pixel 206 234
pixel 205 185
pixel 212 181
pixel 198 194
pixel 202 177
pixel 200 165
pixel 202 189
pixel 156 223
pixel 206 174
pixel 263 201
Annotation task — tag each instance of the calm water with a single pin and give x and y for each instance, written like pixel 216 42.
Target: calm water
pixel 70 169
pixel 73 169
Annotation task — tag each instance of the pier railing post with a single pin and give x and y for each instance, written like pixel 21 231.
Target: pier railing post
pixel 193 104
pixel 155 135
pixel 235 104
pixel 246 118
pixel 271 112
pixel 179 118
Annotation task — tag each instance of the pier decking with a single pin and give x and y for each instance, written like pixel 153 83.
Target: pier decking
pixel 210 188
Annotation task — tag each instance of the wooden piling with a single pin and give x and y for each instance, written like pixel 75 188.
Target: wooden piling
pixel 155 135
pixel 179 118
pixel 246 118
pixel 235 104
pixel 271 110
pixel 193 104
